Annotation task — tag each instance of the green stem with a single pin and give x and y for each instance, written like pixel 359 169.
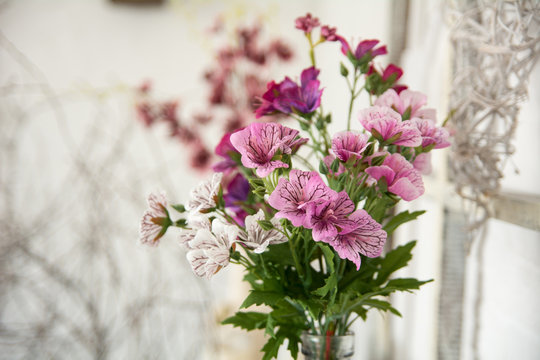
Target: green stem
pixel 353 97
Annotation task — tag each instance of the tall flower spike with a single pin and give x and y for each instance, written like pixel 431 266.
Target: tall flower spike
pixel 203 197
pixel 401 177
pixel 257 238
pixel 291 196
pixel 155 220
pixel 367 238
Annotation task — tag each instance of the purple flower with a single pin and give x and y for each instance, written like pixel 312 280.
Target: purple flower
pixel 367 238
pixel 331 217
pixel 347 143
pixel 406 101
pixel 155 220
pixel 288 97
pixel 306 23
pixel 291 196
pixel 401 177
pixel 431 133
pixel 237 193
pixel 365 47
pixel 260 142
pixel 386 125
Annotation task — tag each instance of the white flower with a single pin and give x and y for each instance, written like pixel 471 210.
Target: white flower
pixel 257 238
pixel 210 249
pixel 203 196
pixel 155 220
pixel 196 222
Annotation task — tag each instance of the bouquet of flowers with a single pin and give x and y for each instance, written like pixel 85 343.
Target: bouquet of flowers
pixel 311 238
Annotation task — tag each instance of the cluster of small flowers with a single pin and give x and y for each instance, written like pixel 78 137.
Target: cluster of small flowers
pixel 235 103
pixel 387 157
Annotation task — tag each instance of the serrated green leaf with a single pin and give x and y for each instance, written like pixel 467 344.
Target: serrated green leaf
pixel 394 260
pixel 381 305
pixel 247 320
pixel 270 349
pixel 330 284
pixel 259 297
pixel 406 284
pixel 400 219
pixel 270 326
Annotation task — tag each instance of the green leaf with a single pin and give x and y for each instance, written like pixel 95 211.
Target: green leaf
pixel 247 320
pixel 270 326
pixel 323 169
pixel 272 346
pixel 259 297
pixel 266 224
pixel 330 284
pixel 394 260
pixel 382 305
pixel 406 284
pixel 179 207
pixel 399 219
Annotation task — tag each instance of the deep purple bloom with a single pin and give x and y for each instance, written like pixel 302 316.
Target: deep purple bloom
pixel 386 125
pixel 347 143
pixel 401 177
pixel 367 238
pixel 237 193
pixel 288 97
pixel 331 217
pixel 365 47
pixel 260 142
pixel 292 196
pixel 306 23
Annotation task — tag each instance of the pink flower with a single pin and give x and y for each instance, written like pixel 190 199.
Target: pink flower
pixel 155 220
pixel 225 149
pixel 307 23
pixel 422 163
pixel 367 238
pixel 347 143
pixel 210 249
pixel 365 50
pixel 260 142
pixel 431 133
pixel 386 126
pixel 288 97
pixel 407 101
pixel 331 217
pixel 401 177
pixel 328 160
pixel 328 33
pixel 291 196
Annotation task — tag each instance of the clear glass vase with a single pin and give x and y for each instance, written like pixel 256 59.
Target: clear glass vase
pixel 319 347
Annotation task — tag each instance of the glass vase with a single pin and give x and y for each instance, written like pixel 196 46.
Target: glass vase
pixel 330 347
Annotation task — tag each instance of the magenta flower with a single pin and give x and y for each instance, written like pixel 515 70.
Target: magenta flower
pixel 367 238
pixel 401 177
pixel 331 217
pixel 328 33
pixel 155 220
pixel 347 143
pixel 307 23
pixel 224 149
pixel 365 50
pixel 406 101
pixel 431 133
pixel 386 125
pixel 260 142
pixel 291 196
pixel 288 97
